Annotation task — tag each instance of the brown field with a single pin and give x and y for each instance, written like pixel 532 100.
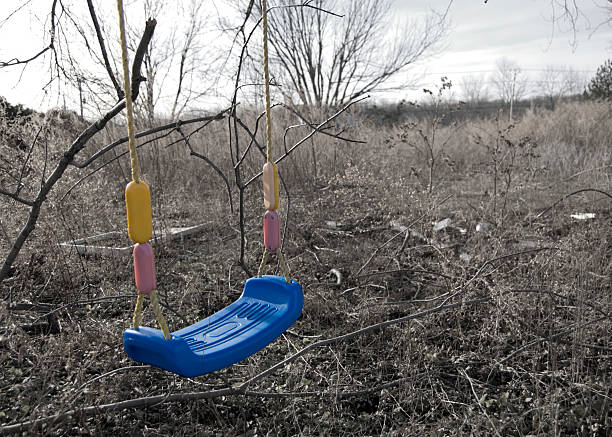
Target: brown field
pixel 509 330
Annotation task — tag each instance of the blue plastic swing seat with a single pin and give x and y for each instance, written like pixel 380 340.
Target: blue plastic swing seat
pixel 267 307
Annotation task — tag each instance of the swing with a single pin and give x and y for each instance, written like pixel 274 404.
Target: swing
pixel 268 306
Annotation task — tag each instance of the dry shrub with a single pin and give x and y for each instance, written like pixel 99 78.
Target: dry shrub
pixel 573 137
pixel 527 380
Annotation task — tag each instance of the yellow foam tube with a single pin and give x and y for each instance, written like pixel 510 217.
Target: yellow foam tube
pixel 270 186
pixel 138 206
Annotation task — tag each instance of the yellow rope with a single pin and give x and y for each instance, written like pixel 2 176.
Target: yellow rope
pixel 264 16
pixel 281 260
pixel 284 266
pixel 128 96
pixel 266 82
pixel 137 318
pixel 264 258
pixel 158 314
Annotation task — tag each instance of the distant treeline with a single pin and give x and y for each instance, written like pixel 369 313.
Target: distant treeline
pixel 387 113
pixel 403 111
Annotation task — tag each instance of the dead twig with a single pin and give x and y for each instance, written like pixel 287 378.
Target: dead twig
pixel 551 337
pixel 484 411
pixel 584 190
pixel 596 308
pixel 490 262
pixel 406 232
pixel 314 130
pixel 417 271
pixel 50 46
pixel 109 70
pixel 104 375
pixel 212 164
pixel 313 126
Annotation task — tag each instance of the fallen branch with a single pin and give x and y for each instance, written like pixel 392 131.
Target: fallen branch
pixel 183 397
pixel 359 332
pixel 239 389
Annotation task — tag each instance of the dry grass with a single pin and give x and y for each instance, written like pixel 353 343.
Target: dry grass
pixel 533 360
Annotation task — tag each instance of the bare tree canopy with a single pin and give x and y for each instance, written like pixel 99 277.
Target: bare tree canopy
pixel 80 52
pixel 330 52
pixel 474 89
pixel 559 81
pixel 509 81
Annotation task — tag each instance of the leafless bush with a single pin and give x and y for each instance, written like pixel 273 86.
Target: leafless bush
pixel 426 137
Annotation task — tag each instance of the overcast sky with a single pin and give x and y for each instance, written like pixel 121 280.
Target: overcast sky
pixel 520 30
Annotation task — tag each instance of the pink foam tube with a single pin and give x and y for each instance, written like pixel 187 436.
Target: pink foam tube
pixel 271 230
pixel 144 268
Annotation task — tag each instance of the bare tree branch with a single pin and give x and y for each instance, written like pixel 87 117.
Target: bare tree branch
pixel 169 128
pixel 323 61
pixel 69 155
pixel 322 131
pixel 145 133
pixel 212 164
pixel 16 197
pixel 50 46
pixel 315 129
pixel 137 76
pixel 109 70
